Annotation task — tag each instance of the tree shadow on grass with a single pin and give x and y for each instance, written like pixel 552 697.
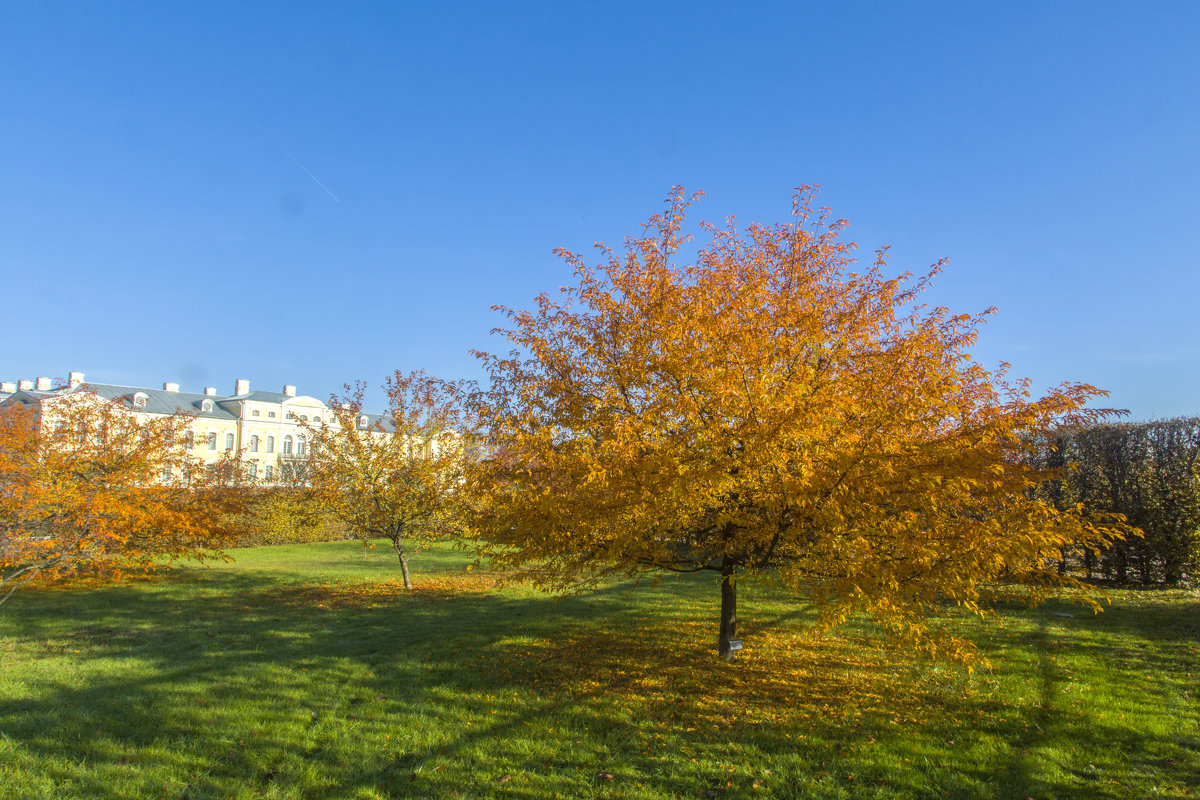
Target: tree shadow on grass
pixel 242 683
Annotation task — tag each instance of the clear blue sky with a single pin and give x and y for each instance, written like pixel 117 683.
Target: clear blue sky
pixel 314 194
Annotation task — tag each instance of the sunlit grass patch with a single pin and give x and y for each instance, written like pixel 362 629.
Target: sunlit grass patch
pixel 308 671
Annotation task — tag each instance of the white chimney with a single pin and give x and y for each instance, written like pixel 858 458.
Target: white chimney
pixel 241 387
pixel 8 387
pixel 43 384
pixel 168 386
pixel 25 386
pixel 74 379
pixel 211 391
pixel 289 390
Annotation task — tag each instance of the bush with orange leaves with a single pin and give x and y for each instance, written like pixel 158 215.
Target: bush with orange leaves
pixel 87 487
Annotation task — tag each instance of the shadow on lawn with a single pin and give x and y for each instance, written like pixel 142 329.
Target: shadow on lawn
pixel 636 680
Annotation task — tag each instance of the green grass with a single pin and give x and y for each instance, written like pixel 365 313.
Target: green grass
pixel 304 672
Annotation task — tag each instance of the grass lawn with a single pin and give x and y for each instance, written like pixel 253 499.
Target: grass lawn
pixel 307 672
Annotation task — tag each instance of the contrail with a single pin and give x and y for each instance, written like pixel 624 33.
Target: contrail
pixel 296 161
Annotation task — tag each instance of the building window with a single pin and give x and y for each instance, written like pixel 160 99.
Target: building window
pixel 270 444
pixel 256 413
pixel 271 415
pixel 166 475
pixel 301 446
pixel 189 440
pixel 253 444
pixel 287 445
pixel 229 441
pixel 270 472
pixel 252 470
pixel 316 419
pixel 212 441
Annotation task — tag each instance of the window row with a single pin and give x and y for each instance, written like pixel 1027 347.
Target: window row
pixel 271 415
pixel 300 442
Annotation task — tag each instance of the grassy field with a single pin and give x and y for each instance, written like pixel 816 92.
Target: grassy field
pixel 306 672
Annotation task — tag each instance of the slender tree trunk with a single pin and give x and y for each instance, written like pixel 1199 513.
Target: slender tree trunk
pixel 728 613
pixel 399 545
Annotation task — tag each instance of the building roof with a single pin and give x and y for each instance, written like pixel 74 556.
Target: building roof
pixel 159 401
pixel 261 397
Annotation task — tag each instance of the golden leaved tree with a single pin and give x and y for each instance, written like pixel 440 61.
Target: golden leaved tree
pixel 395 476
pixel 85 486
pixel 766 410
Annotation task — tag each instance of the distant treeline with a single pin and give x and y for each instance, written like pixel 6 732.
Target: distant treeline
pixel 1145 471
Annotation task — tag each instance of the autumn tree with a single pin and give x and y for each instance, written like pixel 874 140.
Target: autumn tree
pixel 397 475
pixel 86 486
pixel 769 409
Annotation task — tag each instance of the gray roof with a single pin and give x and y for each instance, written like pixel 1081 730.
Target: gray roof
pixel 261 397
pixel 159 401
pixel 26 396
pixel 385 420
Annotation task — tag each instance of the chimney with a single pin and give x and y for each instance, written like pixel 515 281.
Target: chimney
pixel 289 390
pixel 241 387
pixel 168 386
pixel 74 379
pixel 25 386
pixel 8 387
pixel 211 391
pixel 43 384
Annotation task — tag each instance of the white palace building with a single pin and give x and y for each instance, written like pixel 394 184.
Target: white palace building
pixel 263 426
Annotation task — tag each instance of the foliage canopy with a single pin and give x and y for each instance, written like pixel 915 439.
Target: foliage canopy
pixel 769 409
pixel 87 486
pixel 395 476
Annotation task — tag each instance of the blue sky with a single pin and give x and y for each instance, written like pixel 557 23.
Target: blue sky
pixel 319 193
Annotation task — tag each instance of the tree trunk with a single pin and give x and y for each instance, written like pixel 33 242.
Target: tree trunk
pixel 399 545
pixel 728 613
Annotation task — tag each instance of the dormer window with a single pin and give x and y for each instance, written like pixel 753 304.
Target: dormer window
pixel 363 421
pixel 140 399
pixel 206 406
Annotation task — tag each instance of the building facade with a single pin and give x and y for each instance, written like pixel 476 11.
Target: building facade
pixel 264 428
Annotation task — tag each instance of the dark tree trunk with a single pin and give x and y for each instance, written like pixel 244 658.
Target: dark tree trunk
pixel 399 545
pixel 728 613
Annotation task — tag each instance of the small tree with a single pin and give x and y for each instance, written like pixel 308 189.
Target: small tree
pixel 766 410
pixel 86 486
pixel 397 475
